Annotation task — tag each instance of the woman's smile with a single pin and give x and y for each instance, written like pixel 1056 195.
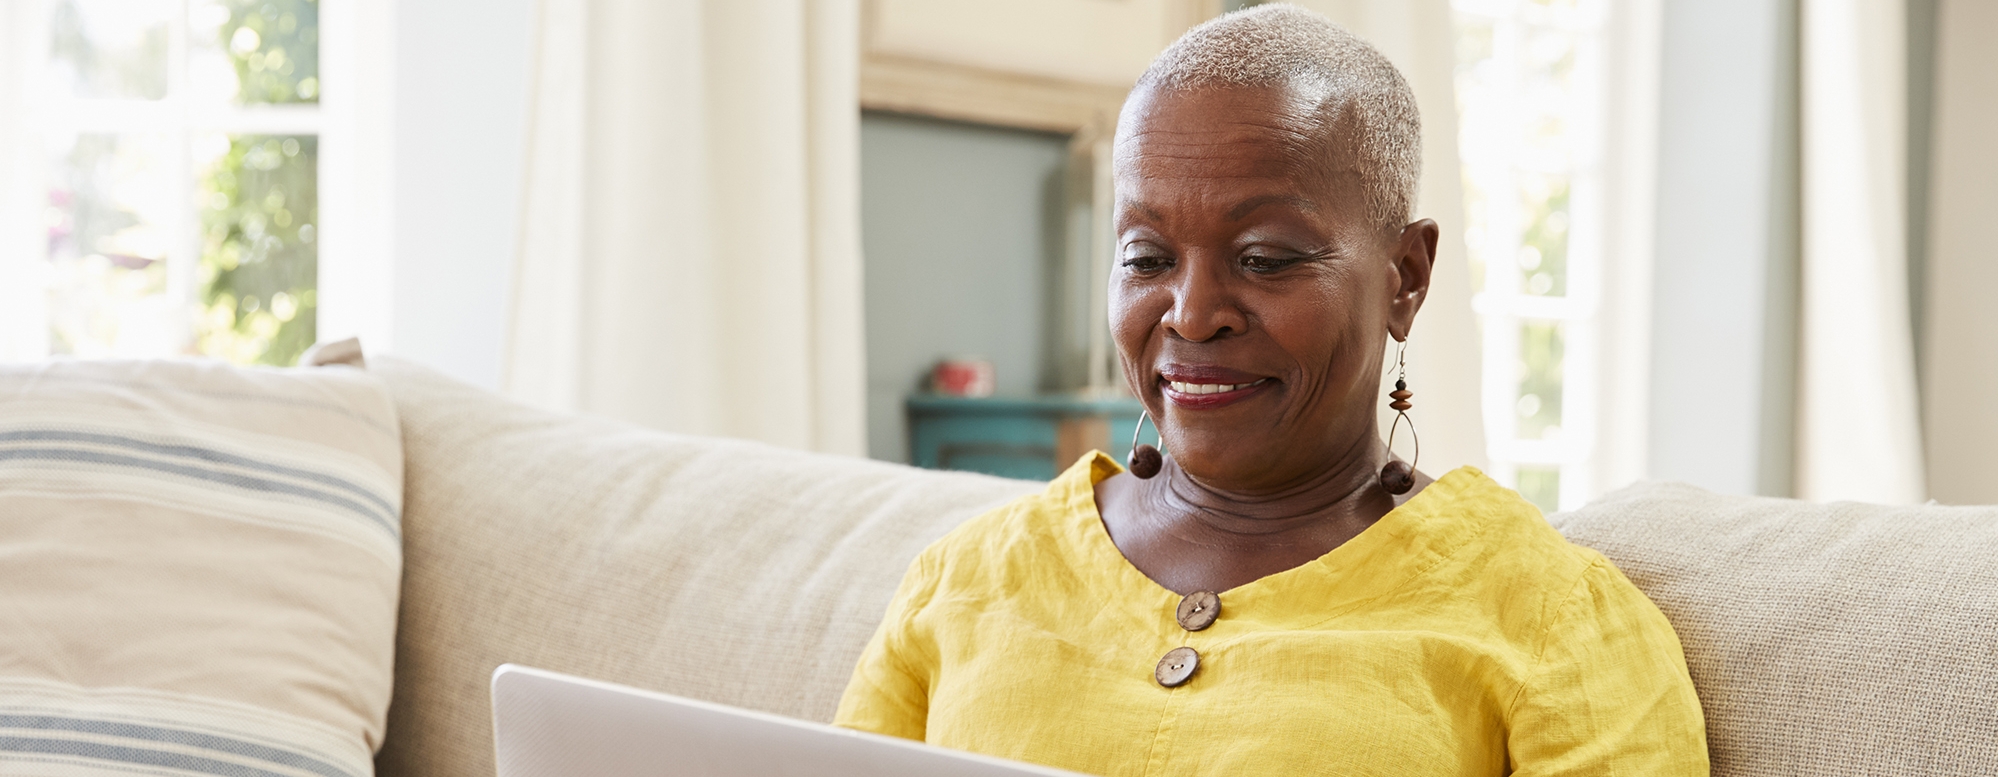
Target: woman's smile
pixel 1206 387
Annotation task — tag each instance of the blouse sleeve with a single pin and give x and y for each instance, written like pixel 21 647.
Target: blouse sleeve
pixel 1610 694
pixel 890 689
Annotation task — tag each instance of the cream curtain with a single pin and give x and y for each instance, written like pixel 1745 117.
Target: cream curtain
pixel 1857 425
pixel 1960 368
pixel 690 255
pixel 1445 361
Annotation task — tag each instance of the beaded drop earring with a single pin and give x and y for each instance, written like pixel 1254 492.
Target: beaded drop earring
pixel 1144 460
pixel 1398 477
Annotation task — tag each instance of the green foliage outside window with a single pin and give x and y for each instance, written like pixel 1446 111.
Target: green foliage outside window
pixel 1544 248
pixel 275 47
pixel 1541 485
pixel 130 71
pixel 260 204
pixel 1541 346
pixel 259 253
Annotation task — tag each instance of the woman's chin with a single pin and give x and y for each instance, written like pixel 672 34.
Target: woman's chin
pixel 1235 474
pixel 1238 464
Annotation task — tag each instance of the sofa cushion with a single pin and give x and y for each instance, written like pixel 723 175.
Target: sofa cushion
pixel 1847 638
pixel 198 568
pixel 722 570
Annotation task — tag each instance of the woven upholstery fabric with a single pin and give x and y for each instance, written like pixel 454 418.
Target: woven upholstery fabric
pixel 199 567
pixel 722 570
pixel 1823 639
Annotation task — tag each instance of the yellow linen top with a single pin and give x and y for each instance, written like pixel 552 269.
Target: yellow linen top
pixel 1459 635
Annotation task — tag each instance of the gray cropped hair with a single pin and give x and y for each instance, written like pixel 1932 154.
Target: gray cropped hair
pixel 1280 44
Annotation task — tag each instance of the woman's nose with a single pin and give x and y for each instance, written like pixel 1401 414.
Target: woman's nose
pixel 1204 304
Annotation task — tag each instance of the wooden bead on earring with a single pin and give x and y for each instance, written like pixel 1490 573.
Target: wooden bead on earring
pixel 1145 461
pixel 1399 477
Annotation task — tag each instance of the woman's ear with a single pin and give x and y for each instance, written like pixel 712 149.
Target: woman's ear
pixel 1414 261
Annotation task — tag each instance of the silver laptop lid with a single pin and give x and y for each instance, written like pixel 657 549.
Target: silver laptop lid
pixel 553 725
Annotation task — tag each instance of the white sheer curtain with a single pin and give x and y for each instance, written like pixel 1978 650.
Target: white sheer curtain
pixel 23 332
pixel 1444 355
pixel 1858 422
pixel 690 255
pixel 1630 180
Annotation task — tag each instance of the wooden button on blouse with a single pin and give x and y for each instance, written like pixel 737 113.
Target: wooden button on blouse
pixel 1177 667
pixel 1198 610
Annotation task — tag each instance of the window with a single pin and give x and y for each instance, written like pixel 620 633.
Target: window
pixel 1530 90
pixel 168 157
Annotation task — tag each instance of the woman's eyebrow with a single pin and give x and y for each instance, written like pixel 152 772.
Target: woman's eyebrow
pixel 1249 205
pixel 1147 212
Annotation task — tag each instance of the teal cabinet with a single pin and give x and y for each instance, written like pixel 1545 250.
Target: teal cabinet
pixel 1032 438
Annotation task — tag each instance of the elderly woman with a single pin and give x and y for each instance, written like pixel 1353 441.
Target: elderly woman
pixel 1265 170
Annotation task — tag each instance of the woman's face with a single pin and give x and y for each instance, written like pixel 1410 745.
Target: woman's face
pixel 1251 295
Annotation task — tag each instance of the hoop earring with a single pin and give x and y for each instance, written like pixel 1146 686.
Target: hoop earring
pixel 1398 477
pixel 1145 460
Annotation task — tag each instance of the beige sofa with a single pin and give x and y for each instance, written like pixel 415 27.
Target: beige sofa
pixel 1835 639
pixel 1840 639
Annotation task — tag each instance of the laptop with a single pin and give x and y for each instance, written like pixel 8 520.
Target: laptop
pixel 553 725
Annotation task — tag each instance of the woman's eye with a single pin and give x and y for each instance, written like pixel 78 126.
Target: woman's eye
pixel 1255 263
pixel 1147 263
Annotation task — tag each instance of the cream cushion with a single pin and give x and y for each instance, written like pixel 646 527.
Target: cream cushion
pixel 199 568
pixel 727 571
pixel 1842 638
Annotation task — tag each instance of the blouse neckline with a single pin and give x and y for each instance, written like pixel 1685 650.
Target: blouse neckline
pixel 1410 539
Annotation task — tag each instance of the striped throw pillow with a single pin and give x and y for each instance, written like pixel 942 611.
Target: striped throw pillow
pixel 199 568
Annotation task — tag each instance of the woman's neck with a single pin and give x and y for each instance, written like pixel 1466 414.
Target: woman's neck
pixel 1189 535
pixel 1345 491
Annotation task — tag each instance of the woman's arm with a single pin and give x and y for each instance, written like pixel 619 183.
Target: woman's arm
pixel 1610 694
pixel 890 690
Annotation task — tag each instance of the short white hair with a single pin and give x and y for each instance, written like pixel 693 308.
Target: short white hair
pixel 1279 45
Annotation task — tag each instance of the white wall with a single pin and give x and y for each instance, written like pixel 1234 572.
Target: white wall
pixel 462 82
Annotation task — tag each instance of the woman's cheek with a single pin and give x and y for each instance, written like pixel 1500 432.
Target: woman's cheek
pixel 1134 313
pixel 1131 328
pixel 1319 339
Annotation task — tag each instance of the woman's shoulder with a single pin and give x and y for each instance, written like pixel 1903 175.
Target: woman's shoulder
pixel 1497 573
pixel 1508 542
pixel 1029 531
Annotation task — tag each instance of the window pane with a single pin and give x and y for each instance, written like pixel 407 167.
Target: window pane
pixel 1541 485
pixel 1477 228
pixel 109 48
pixel 111 203
pixel 1543 250
pixel 254 51
pixel 1546 89
pixel 259 271
pixel 1476 74
pixel 1539 403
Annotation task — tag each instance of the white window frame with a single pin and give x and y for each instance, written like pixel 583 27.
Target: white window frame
pixel 353 121
pixel 1605 311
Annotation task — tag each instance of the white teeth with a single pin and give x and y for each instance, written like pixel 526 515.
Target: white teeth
pixel 1207 388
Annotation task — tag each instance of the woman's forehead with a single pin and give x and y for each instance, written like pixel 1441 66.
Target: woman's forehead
pixel 1221 147
pixel 1189 119
pixel 1216 202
